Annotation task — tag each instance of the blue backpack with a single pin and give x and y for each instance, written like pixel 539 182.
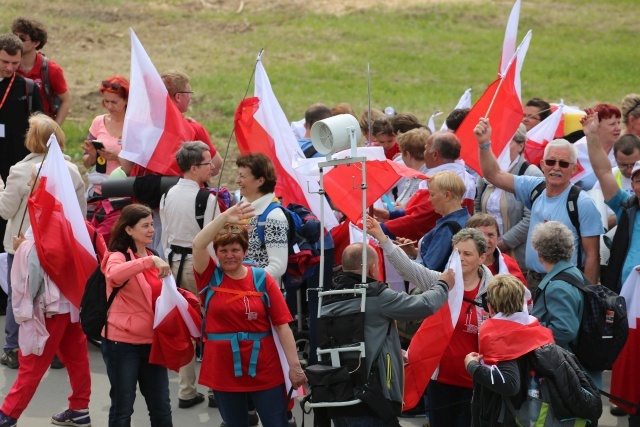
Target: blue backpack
pixel 260 283
pixel 303 241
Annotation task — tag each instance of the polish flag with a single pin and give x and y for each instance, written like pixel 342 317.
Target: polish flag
pixel 626 368
pixel 510 38
pixel 154 128
pixel 539 136
pixel 584 163
pixel 432 339
pixel 502 105
pixel 176 320
pixel 62 240
pixel 463 102
pixel 262 127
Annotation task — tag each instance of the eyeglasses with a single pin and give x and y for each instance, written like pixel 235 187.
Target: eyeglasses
pixel 563 163
pixel 531 117
pixel 636 181
pixel 630 109
pixel 23 39
pixel 107 84
pixel 189 92
pixel 230 230
pixel 209 163
pixel 625 166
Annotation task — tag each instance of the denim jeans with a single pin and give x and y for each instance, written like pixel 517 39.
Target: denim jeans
pixel 271 405
pixel 128 365
pixel 449 405
pixel 11 328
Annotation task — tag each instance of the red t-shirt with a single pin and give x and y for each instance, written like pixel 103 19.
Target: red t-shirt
pixel 56 79
pixel 201 134
pixel 392 152
pixel 463 341
pixel 217 371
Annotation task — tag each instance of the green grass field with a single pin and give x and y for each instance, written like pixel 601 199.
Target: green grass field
pixel 422 54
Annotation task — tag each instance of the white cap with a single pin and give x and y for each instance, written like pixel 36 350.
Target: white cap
pixel 635 169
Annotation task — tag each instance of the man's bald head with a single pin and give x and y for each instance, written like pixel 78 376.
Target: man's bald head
pixel 352 259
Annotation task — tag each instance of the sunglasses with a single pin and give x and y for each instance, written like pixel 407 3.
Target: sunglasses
pixel 485 303
pixel 107 84
pixel 230 230
pixel 563 163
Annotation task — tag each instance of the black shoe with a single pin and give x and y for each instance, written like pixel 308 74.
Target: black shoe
pixel 56 363
pixel 617 411
pixel 188 403
pixel 212 402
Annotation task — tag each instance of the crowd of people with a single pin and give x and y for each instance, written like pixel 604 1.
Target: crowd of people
pixel 514 230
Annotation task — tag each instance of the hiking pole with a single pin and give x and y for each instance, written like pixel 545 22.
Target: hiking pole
pixel 26 207
pixel 233 130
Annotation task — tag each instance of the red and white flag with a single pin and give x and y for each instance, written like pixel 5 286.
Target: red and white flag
pixel 176 320
pixel 540 135
pixel 626 368
pixel 154 128
pixel 510 38
pixel 502 105
pixel 432 339
pixel 61 237
pixel 262 127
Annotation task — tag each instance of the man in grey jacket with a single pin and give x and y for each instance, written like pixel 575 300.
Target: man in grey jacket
pixel 384 307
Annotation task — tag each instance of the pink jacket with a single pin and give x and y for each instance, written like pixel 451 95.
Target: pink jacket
pixel 130 317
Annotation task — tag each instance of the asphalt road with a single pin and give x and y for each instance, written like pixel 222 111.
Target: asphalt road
pixel 51 398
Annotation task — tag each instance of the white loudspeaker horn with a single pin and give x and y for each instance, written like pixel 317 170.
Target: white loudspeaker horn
pixel 335 134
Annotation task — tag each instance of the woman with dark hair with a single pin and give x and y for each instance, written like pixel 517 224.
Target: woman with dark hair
pixel 245 302
pixel 257 180
pixel 126 344
pixel 102 159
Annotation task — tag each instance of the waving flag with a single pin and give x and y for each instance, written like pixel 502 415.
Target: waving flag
pixel 154 128
pixel 432 339
pixel 262 127
pixel 510 37
pixel 626 367
pixel 431 124
pixel 540 135
pixel 463 102
pixel 176 320
pixel 62 240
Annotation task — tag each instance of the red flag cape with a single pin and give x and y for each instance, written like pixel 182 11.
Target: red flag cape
pixel 626 369
pixel 62 241
pixel 343 183
pixel 174 324
pixel 503 339
pixel 505 116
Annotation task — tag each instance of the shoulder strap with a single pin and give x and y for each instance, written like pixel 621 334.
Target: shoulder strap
pixel 572 210
pixel 201 205
pixel 260 282
pixel 310 151
pixel 537 191
pixel 523 168
pixel 262 219
pixel 571 279
pixel 453 226
pixel 46 81
pixel 30 85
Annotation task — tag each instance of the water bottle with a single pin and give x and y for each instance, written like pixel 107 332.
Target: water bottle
pixel 533 391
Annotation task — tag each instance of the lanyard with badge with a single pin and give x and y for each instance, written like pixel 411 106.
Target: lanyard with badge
pixel 4 98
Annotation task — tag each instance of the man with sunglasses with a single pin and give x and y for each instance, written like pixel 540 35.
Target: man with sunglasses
pixel 47 74
pixel 558 164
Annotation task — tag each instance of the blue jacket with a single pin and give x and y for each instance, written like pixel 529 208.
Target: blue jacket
pixel 435 246
pixel 558 305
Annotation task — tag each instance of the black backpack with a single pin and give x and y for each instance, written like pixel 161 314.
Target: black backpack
pixel 94 304
pixel 604 327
